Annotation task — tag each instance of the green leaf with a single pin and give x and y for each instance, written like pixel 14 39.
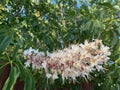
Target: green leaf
pixel 107 4
pixel 5 42
pixel 21 68
pixel 2 65
pixel 88 25
pixel 5 37
pixel 10 82
pixel 29 81
pixel 15 51
pixel 116 7
pixel 114 39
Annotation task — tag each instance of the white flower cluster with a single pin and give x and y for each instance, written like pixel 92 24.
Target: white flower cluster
pixel 76 61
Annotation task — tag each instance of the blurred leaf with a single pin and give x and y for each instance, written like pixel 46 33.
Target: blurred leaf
pixel 15 52
pixel 29 82
pixel 21 68
pixel 116 7
pixel 88 25
pixel 5 38
pixel 106 4
pixel 4 43
pixel 114 39
pixel 10 82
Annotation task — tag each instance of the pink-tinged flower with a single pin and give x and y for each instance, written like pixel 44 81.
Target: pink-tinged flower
pixel 44 64
pixel 79 60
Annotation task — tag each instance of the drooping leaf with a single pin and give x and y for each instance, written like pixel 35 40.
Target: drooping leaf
pixel 10 82
pixel 29 82
pixel 21 69
pixel 5 38
pixel 114 39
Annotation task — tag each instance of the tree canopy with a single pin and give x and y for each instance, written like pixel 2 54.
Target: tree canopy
pixel 49 25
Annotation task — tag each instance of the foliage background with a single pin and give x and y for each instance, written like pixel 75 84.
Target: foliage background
pixel 55 24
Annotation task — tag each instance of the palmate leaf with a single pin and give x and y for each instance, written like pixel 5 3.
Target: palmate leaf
pixel 10 82
pixel 5 37
pixel 26 76
pixel 114 39
pixel 5 42
pixel 29 81
pixel 21 68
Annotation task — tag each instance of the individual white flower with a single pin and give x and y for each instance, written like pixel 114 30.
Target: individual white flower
pixel 30 51
pixel 63 77
pixel 93 46
pixel 94 62
pixel 99 67
pixel 75 48
pixel 25 52
pixel 85 45
pixel 41 53
pixel 44 64
pixel 85 75
pixel 27 63
pixel 48 75
pixel 74 74
pixel 84 54
pixel 86 42
pixel 48 53
pixel 35 51
pixel 54 76
pixel 104 49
